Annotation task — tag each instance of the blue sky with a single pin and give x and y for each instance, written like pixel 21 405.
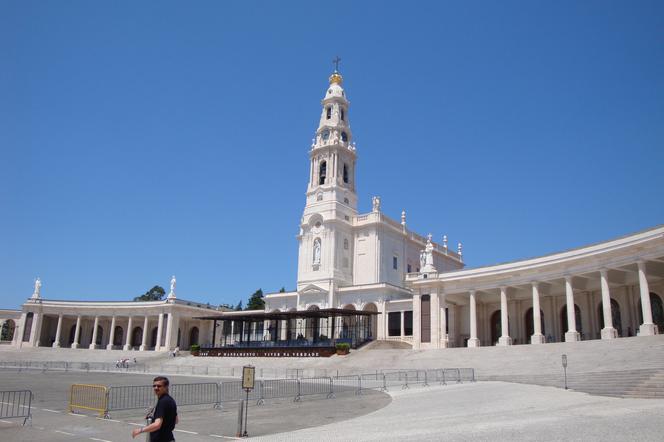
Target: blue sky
pixel 144 139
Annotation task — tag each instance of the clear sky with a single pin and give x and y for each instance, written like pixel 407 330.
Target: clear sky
pixel 144 139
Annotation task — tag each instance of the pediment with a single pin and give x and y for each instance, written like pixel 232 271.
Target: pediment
pixel 312 289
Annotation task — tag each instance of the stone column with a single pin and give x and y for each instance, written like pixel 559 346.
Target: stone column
pixel 434 308
pixel 174 324
pixel 571 334
pixel 537 337
pixel 144 340
pixel 160 326
pixel 77 333
pixel 93 344
pixel 647 328
pixel 58 332
pixel 417 321
pixel 473 341
pixel 403 325
pixel 382 329
pixel 127 345
pixel 608 332
pixel 505 338
pixel 444 342
pixel 35 329
pixel 18 331
pixel 111 335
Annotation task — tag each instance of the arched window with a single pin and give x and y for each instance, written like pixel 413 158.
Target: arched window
pixel 344 137
pixel 615 316
pixel 100 335
pixel 343 114
pixel 118 336
pixel 345 173
pixel 153 341
pixel 193 336
pixel 322 172
pixel 8 328
pixel 328 112
pixel 326 135
pixel 136 337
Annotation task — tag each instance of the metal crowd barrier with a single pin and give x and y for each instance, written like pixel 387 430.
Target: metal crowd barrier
pixel 314 386
pixel 16 404
pixel 89 397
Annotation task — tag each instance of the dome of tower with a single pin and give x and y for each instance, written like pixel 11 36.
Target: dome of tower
pixel 335 89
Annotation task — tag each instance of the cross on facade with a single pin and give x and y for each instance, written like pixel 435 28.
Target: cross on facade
pixel 336 63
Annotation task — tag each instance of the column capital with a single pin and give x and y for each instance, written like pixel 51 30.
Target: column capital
pixel 472 292
pixel 641 264
pixel 534 284
pixel 603 271
pixel 568 278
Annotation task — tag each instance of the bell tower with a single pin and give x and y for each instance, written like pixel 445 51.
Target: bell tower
pixel 325 238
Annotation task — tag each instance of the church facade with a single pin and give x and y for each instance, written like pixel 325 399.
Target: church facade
pixel 420 289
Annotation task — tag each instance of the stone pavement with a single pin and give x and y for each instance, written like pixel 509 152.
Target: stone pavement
pixel 496 411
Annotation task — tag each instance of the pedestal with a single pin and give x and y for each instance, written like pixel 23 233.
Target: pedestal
pixel 537 339
pixel 473 343
pixel 504 341
pixel 609 333
pixel 93 346
pixel 647 330
pixel 126 347
pixel 572 336
pixel 56 344
pixel 109 347
pixel 74 345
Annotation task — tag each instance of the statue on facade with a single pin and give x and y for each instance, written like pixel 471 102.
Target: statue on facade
pixel 423 259
pixel 171 294
pixel 427 256
pixel 375 203
pixel 316 251
pixel 37 292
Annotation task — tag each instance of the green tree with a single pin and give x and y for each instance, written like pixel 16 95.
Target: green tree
pixel 282 290
pixel 156 293
pixel 238 307
pixel 256 301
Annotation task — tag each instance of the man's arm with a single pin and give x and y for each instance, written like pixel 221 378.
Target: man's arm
pixel 154 426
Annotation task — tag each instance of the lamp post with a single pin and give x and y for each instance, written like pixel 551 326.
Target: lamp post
pixel 565 369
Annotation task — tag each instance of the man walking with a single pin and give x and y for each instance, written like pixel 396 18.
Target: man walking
pixel 165 414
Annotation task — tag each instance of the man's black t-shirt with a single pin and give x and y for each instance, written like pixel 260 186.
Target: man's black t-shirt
pixel 167 411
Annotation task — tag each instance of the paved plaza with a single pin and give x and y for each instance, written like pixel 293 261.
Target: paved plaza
pixel 469 411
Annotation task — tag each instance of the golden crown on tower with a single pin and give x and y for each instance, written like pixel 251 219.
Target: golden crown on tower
pixel 336 78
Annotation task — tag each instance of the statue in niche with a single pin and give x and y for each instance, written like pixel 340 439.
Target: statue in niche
pixel 317 251
pixel 375 202
pixel 423 258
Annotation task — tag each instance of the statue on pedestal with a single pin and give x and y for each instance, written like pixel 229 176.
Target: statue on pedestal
pixel 375 203
pixel 37 292
pixel 171 294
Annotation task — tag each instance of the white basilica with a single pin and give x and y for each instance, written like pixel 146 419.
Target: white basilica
pixel 420 289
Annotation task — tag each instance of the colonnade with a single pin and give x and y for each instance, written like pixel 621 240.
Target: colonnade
pixel 34 322
pixel 646 328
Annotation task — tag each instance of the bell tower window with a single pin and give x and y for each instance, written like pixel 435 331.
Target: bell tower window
pixel 322 173
pixel 345 173
pixel 343 114
pixel 328 112
pixel 344 137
